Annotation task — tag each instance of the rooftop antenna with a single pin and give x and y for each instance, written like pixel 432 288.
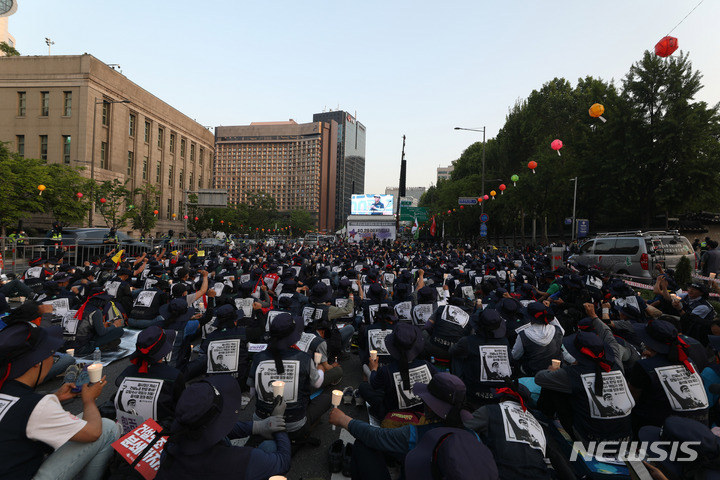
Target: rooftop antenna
pixel 49 43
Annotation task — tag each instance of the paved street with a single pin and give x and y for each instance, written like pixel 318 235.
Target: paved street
pixel 309 462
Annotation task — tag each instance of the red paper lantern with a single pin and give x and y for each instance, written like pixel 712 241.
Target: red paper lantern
pixel 197 218
pixel 502 188
pixel 79 194
pixel 479 199
pixel 222 221
pixel 102 200
pixel 155 212
pixel 666 46
pixel 532 165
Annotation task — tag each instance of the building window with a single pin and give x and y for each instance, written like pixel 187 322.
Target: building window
pixel 131 160
pixel 191 187
pixel 182 148
pixel 170 176
pixel 200 182
pixel 147 132
pixel 169 209
pixel 44 104
pixel 181 178
pixel 172 143
pixel 192 152
pixel 106 113
pixel 145 167
pixel 160 137
pixel 43 147
pixel 21 145
pixel 103 155
pixel 158 172
pixel 131 129
pixel 202 154
pixel 22 102
pixel 67 104
pixel 180 209
pixel 66 149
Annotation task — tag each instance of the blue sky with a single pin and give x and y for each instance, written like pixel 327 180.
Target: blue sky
pixel 414 68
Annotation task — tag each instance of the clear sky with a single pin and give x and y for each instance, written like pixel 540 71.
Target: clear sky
pixel 414 68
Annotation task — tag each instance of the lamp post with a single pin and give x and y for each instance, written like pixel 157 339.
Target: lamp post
pixel 92 155
pixel 482 189
pixel 574 203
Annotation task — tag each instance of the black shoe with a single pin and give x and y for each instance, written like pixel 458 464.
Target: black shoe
pixel 347 460
pixel 336 456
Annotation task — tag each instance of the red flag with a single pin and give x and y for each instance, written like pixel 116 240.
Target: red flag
pixel 433 227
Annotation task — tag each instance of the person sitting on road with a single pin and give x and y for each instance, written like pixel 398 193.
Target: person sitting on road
pixel 38 438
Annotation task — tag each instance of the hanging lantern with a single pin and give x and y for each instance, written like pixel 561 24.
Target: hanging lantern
pixel 485 197
pixel 502 188
pixel 514 179
pixel 41 188
pixel 596 111
pixel 102 200
pixel 155 212
pixel 185 217
pixel 79 194
pixel 222 221
pixel 666 46
pixel 493 193
pixel 130 207
pixel 461 207
pixel 174 215
pixel 479 199
pixel 197 218
pixel 532 165
pixel 556 145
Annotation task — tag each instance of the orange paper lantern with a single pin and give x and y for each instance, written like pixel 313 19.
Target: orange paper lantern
pixel 532 165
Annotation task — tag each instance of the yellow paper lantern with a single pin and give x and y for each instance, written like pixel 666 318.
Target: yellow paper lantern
pixel 493 193
pixel 596 111
pixel 41 188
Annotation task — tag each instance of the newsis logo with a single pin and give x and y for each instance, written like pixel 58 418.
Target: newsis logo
pixel 637 451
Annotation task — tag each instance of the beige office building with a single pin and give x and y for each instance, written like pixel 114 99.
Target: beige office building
pixel 78 111
pixel 295 163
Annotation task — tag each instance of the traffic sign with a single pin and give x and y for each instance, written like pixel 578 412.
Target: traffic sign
pixel 483 230
pixel 467 201
pixel 484 217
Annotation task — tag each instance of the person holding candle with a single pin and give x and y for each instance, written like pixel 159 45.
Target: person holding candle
pixel 38 438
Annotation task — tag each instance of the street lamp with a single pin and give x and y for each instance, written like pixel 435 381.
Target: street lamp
pixel 92 155
pixel 574 203
pixel 482 189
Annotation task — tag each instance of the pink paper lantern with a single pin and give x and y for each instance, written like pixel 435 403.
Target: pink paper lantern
pixel 486 197
pixel 556 145
pixel 79 194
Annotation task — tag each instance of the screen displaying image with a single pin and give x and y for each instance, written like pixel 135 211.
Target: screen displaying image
pixel 370 204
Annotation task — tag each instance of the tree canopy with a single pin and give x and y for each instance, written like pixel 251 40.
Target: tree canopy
pixel 652 159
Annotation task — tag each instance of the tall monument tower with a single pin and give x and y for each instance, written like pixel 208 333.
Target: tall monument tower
pixel 7 8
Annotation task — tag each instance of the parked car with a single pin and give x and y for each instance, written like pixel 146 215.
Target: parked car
pixel 635 253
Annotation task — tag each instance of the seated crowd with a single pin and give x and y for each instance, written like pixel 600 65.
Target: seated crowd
pixel 475 363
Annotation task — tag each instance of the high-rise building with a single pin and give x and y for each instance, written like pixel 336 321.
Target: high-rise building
pixel 294 163
pixel 443 173
pixel 350 160
pixel 7 8
pixel 78 111
pixel 411 193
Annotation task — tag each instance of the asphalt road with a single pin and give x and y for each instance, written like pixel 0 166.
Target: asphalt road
pixel 309 462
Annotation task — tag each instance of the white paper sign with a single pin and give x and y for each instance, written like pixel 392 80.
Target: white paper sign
pixel 266 374
pixel 521 426
pixel 684 390
pixel 223 356
pixel 616 400
pixel 406 398
pixel 136 400
pixel 495 363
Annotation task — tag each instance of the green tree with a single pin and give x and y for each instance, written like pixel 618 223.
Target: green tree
pixel 672 140
pixel 19 179
pixel 264 211
pixel 141 211
pixel 110 199
pixel 301 221
pixel 8 50
pixel 60 198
